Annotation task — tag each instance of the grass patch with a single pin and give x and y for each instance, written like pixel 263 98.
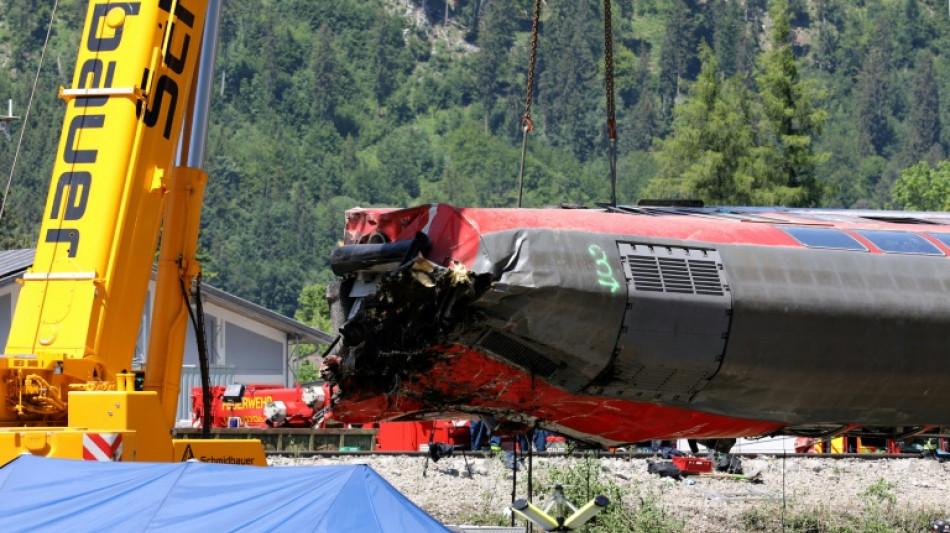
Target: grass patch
pixel 879 514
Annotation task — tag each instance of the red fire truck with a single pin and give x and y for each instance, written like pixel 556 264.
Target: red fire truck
pixel 264 405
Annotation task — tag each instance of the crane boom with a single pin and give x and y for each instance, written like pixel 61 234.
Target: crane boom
pixel 74 330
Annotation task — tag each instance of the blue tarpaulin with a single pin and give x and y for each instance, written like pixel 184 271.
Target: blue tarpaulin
pixel 42 494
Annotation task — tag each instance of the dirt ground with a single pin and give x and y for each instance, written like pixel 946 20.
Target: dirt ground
pixel 820 488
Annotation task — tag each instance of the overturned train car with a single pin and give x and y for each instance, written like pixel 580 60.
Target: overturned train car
pixel 630 323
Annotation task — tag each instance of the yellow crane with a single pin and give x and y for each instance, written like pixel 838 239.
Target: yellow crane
pixel 66 383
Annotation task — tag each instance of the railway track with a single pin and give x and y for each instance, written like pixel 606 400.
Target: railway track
pixel 299 442
pixel 583 453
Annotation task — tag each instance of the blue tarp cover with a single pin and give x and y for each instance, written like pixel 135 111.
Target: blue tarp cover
pixel 42 494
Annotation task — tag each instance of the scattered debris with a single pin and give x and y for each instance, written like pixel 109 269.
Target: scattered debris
pixel 747 495
pixel 665 469
pixel 693 465
pixel 755 477
pixel 727 467
pixel 938 455
pixel 940 526
pixel 729 463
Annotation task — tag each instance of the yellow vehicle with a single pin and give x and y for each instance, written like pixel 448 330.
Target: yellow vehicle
pixel 66 384
pixel 849 444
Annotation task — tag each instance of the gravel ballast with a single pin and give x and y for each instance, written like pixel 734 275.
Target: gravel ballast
pixel 831 489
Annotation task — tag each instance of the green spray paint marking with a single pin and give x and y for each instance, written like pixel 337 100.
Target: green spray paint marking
pixel 604 272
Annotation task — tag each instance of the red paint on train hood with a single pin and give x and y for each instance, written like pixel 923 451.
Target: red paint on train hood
pixel 455 232
pixel 463 380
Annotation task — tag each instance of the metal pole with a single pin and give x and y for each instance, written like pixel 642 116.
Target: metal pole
pixel 524 152
pixel 199 127
pixel 514 477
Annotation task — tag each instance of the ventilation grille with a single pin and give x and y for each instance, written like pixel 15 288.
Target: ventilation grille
pixel 672 274
pixel 518 353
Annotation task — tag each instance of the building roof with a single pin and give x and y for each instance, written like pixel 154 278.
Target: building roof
pixel 13 263
pixel 265 316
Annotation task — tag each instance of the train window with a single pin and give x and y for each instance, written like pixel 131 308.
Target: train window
pixel 823 217
pixel 825 238
pixel 900 242
pixel 942 237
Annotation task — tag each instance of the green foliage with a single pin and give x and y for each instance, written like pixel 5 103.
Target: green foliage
pixel 878 506
pixel 729 145
pixel 923 188
pixel 879 494
pixel 871 92
pixel 923 123
pixel 308 372
pixel 710 152
pixel 313 308
pixel 582 480
pixel 490 64
pixel 878 515
pixel 791 121
pixel 650 517
pixel 323 106
pixel 486 512
pixel 570 84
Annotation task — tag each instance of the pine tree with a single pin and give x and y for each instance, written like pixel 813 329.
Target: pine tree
pixel 645 120
pixel 711 149
pixel 797 12
pixel 829 18
pixel 746 51
pixel 677 52
pixel 727 30
pixel 301 208
pixel 668 81
pixel 910 34
pixel 644 124
pixel 387 48
pixel 644 80
pixel 494 41
pixel 569 75
pixel 326 71
pixel 791 121
pixel 11 230
pixel 923 125
pixel 871 94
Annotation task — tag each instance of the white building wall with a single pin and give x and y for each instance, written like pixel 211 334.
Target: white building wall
pixel 267 342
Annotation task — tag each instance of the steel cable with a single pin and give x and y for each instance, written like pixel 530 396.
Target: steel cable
pixel 29 106
pixel 526 124
pixel 611 113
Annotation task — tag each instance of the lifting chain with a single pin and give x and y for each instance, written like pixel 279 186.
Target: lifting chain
pixel 611 116
pixel 29 107
pixel 526 124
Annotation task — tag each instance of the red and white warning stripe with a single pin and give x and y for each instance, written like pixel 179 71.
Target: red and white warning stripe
pixel 102 446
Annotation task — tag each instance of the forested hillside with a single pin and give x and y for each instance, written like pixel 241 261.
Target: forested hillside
pixel 322 105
